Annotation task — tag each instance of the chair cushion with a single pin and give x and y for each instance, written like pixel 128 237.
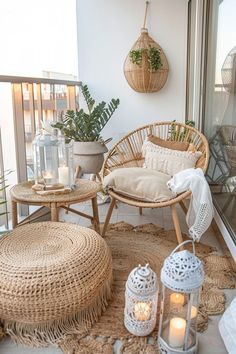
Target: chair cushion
pixel 166 160
pixel 139 183
pixel 173 145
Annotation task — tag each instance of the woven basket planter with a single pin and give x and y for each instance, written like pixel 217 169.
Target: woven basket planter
pixel 55 280
pixel 140 77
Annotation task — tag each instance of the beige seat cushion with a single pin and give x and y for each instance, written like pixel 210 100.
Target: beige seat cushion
pixel 166 160
pixel 139 183
pixel 173 145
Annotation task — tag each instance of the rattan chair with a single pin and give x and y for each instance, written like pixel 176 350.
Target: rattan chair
pixel 127 153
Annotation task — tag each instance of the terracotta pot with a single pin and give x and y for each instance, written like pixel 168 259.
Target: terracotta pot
pixel 89 155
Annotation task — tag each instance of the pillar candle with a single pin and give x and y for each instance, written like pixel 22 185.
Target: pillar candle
pixel 177 332
pixel 63 173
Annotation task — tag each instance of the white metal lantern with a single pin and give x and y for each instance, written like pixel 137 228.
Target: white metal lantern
pixel 182 276
pixel 141 295
pixel 53 159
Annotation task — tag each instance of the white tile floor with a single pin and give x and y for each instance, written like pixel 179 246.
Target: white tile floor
pixel 210 341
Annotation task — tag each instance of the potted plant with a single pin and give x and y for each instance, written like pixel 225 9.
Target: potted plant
pixel 85 128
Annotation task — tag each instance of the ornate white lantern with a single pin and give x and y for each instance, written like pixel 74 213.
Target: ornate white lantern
pixel 182 276
pixel 141 295
pixel 53 159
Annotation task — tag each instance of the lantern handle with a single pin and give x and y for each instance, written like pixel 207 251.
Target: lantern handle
pixel 184 243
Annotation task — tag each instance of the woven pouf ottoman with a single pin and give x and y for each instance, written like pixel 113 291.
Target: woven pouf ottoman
pixel 55 279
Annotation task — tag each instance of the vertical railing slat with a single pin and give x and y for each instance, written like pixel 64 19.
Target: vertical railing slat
pixel 32 109
pixel 39 105
pixel 71 97
pixel 18 116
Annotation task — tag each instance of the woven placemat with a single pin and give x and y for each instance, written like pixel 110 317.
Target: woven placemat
pixel 147 243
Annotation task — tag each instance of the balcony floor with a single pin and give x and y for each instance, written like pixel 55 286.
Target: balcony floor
pixel 210 341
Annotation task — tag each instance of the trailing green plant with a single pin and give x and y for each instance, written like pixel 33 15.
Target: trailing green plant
pixel 153 55
pixel 154 58
pixel 87 126
pixel 136 56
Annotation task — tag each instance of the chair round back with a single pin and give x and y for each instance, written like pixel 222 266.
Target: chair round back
pixel 128 151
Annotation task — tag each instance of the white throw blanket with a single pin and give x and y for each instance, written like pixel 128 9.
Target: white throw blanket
pixel 200 212
pixel 227 327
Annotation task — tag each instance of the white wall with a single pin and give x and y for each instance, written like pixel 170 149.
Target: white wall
pixel 107 29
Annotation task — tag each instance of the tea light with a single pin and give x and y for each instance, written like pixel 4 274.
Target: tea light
pixel 177 299
pixel 142 311
pixel 193 312
pixel 47 176
pixel 177 332
pixel 63 173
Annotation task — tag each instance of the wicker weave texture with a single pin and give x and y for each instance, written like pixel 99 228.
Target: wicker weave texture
pixel 128 151
pixel 53 273
pixel 85 189
pixel 140 77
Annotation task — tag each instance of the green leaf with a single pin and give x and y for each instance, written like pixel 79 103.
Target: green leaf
pixel 82 126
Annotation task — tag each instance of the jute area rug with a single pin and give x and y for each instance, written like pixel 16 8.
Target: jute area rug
pixel 143 244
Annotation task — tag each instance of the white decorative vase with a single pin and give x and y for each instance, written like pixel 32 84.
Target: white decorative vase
pixel 89 155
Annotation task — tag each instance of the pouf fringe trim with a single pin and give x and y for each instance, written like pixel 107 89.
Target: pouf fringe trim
pixel 38 335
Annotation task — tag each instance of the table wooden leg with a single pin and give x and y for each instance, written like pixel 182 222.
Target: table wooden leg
pixel 54 212
pixel 14 214
pixel 108 216
pixel 96 222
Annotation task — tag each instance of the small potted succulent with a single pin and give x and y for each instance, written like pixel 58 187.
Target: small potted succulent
pixel 85 128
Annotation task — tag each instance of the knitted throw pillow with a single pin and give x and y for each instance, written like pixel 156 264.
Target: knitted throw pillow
pixel 166 160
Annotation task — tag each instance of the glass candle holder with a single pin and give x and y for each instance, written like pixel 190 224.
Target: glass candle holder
pixel 182 277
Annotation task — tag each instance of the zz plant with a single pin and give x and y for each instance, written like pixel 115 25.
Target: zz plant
pixel 87 126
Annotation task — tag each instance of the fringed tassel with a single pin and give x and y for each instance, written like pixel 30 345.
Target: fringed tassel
pixel 44 334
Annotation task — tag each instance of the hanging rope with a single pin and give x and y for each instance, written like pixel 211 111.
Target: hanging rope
pixel 145 15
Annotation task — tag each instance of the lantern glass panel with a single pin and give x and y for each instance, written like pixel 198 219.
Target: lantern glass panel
pixel 46 158
pixel 179 320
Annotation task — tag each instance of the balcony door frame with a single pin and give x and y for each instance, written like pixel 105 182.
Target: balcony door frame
pixel 202 29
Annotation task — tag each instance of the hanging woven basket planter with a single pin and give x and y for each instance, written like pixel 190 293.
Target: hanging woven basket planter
pixel 146 67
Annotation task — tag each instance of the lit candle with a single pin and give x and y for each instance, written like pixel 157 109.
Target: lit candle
pixel 193 312
pixel 177 299
pixel 177 332
pixel 63 173
pixel 142 311
pixel 47 176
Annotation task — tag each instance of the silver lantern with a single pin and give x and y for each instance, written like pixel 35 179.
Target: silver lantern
pixel 141 295
pixel 182 277
pixel 53 159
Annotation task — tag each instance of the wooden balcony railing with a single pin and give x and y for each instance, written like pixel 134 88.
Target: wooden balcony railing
pixel 37 100
pixel 25 103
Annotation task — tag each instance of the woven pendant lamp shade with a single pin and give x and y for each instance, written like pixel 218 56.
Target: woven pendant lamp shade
pixel 140 77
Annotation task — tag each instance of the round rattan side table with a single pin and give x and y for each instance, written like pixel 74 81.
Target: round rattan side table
pixel 22 193
pixel 55 279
